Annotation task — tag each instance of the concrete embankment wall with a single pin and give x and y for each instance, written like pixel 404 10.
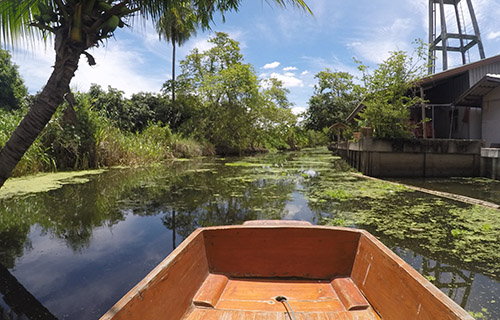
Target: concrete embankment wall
pixel 490 163
pixel 414 158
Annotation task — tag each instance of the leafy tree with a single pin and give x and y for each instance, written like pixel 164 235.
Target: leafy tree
pixel 390 94
pixel 277 123
pixel 335 96
pixel 180 116
pixel 77 26
pixel 113 105
pixel 12 89
pixel 230 109
pixel 228 90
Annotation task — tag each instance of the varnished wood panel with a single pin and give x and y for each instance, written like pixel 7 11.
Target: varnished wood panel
pixel 259 295
pixel 210 314
pixel 300 252
pixel 396 290
pixel 349 294
pixel 252 289
pixel 169 288
pixel 210 291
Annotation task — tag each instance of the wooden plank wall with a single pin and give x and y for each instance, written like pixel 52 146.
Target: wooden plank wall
pixel 396 290
pixel 291 252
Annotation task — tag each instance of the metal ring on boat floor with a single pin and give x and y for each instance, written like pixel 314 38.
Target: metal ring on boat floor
pixel 284 300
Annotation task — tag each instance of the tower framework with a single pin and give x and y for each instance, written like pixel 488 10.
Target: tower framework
pixel 446 41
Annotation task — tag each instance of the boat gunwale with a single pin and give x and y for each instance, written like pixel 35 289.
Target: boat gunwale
pixel 152 276
pixel 419 278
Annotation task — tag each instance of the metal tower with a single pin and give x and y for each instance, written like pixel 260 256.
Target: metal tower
pixel 446 41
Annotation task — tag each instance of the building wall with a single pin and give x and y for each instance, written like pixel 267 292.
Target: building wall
pixel 467 126
pixel 491 117
pixel 414 158
pixel 464 127
pixel 477 74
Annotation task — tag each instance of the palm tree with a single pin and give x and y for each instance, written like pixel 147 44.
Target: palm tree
pixel 176 26
pixel 76 26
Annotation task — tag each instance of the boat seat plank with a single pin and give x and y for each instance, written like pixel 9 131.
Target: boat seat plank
pixel 210 291
pixel 214 314
pixel 241 294
pixel 349 294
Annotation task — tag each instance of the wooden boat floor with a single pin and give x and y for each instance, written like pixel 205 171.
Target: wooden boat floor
pixel 226 299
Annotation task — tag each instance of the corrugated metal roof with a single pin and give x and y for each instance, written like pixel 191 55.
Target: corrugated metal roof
pixel 474 96
pixel 430 80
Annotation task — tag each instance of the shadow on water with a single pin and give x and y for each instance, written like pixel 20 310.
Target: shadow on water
pixel 91 243
pixel 19 300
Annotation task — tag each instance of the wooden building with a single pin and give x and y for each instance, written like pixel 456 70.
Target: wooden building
pixel 464 102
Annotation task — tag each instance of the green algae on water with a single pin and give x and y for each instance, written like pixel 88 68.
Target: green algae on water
pixel 44 182
pixel 444 229
pixel 246 164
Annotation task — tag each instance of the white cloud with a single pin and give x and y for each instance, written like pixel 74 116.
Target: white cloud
pixel 289 74
pixel 272 65
pixel 35 66
pixel 305 72
pixel 289 68
pixel 121 68
pixel 377 44
pixel 200 43
pixel 288 81
pixel 493 35
pixel 298 110
pixel 122 65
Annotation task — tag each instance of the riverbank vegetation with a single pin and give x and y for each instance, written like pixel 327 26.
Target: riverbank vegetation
pixel 220 107
pixel 217 105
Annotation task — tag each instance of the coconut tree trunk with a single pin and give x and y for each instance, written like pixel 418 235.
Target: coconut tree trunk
pixel 173 71
pixel 52 95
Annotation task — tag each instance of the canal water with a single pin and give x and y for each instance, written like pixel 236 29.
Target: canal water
pixel 72 252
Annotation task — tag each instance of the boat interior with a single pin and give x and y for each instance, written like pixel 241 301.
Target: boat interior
pixel 245 298
pixel 289 272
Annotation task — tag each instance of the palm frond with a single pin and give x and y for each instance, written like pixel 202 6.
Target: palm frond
pixel 15 19
pixel 296 3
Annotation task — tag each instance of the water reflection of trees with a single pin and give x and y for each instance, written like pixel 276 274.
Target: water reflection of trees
pixel 203 199
pixel 71 213
pixel 201 194
pixel 457 283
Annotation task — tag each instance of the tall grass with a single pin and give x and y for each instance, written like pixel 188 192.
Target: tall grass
pixel 86 139
pixel 36 159
pixel 190 148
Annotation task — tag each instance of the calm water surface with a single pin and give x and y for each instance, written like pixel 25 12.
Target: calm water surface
pixel 73 252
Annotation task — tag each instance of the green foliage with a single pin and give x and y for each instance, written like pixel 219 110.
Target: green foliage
pixel 12 88
pixel 129 115
pixel 306 138
pixel 390 94
pixel 178 23
pixel 190 148
pixel 335 96
pixel 36 158
pixel 228 108
pixel 86 138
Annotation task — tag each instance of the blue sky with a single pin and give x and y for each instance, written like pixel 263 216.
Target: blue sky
pixel 287 44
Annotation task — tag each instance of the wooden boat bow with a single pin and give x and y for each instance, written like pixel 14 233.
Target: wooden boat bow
pixel 237 272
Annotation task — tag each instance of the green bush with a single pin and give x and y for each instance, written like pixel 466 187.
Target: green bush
pixel 190 148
